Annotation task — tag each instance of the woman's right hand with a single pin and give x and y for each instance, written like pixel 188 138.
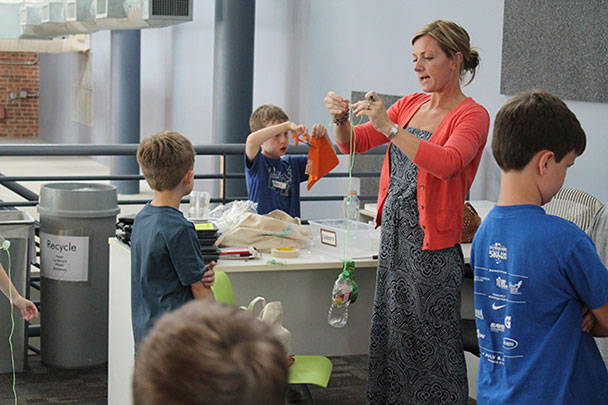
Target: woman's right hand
pixel 28 309
pixel 336 105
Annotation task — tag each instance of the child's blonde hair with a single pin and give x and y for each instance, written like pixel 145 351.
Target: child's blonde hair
pixel 165 158
pixel 264 115
pixel 210 353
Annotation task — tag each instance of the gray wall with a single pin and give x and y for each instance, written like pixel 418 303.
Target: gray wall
pixel 303 49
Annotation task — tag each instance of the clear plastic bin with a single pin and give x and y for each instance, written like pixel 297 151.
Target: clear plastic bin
pixel 331 236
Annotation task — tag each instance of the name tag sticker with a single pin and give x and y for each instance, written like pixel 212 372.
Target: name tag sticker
pixel 279 184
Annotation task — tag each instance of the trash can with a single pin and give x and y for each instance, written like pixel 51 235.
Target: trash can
pixel 18 228
pixel 76 220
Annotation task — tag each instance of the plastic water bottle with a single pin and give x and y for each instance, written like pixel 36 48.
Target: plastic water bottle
pixel 338 312
pixel 351 206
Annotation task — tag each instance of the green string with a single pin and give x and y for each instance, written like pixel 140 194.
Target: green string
pixel 348 266
pixel 10 336
pixel 351 163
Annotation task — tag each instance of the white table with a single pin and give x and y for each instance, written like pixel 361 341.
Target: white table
pixel 302 284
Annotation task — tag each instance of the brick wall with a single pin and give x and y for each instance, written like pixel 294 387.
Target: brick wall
pixel 19 115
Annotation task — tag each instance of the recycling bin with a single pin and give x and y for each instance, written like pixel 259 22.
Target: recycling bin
pixel 76 220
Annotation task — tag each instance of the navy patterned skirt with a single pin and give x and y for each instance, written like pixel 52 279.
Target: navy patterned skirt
pixel 416 351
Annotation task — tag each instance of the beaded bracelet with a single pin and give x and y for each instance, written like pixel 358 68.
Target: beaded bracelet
pixel 340 121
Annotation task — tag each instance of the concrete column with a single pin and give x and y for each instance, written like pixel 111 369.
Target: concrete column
pixel 125 99
pixel 233 80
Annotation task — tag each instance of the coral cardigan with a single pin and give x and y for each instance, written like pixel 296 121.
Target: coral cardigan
pixel 447 164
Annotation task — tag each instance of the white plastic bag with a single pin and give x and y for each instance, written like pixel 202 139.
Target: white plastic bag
pixel 272 314
pixel 228 215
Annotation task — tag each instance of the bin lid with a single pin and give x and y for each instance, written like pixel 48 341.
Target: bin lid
pixel 78 200
pixel 15 217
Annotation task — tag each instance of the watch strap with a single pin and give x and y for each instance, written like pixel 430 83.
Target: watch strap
pixel 394 131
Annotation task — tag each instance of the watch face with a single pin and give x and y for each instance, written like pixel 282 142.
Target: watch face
pixel 394 130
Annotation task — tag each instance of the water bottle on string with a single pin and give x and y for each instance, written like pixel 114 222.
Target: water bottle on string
pixel 344 293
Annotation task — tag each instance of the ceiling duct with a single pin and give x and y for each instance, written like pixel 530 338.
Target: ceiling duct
pixel 137 14
pixel 80 10
pixel 53 12
pixel 80 15
pixel 30 18
pixel 46 19
pixel 55 21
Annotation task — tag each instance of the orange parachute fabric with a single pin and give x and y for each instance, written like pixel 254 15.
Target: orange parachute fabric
pixel 322 157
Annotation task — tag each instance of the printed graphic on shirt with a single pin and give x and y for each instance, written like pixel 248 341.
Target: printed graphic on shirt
pixel 501 327
pixel 498 252
pixel 280 181
pixel 499 293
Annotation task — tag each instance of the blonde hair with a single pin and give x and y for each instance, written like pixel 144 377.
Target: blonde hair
pixel 210 353
pixel 165 158
pixel 452 38
pixel 264 115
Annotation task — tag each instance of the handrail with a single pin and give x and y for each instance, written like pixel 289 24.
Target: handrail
pixel 221 150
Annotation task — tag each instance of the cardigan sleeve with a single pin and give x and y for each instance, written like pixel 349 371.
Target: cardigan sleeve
pixel 464 135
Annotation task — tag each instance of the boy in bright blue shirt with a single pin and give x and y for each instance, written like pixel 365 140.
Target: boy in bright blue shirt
pixel 536 275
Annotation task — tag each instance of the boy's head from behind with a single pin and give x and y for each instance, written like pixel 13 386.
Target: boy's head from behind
pixel 536 138
pixel 532 122
pixel 209 353
pixel 165 158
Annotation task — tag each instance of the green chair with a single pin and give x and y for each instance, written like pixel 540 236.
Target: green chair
pixel 222 289
pixel 306 369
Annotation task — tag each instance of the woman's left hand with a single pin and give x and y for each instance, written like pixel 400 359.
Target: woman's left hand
pixel 373 108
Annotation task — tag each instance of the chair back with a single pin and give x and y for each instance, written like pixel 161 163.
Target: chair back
pixel 574 205
pixel 598 232
pixel 222 289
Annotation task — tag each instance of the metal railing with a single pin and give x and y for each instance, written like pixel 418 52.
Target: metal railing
pixel 14 183
pixel 221 151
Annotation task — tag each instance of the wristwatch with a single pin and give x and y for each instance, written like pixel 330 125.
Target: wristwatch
pixel 394 130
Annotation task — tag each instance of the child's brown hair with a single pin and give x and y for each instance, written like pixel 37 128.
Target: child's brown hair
pixel 165 158
pixel 531 122
pixel 210 353
pixel 264 115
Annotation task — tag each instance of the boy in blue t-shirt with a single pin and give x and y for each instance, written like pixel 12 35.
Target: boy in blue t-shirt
pixel 273 177
pixel 540 286
pixel 167 267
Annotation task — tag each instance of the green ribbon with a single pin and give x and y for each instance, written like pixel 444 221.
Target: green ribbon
pixel 275 262
pixel 283 233
pixel 348 272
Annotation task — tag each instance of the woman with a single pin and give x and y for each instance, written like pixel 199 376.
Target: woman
pixel 435 145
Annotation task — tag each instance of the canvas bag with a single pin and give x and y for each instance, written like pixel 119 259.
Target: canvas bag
pixel 272 314
pixel 276 229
